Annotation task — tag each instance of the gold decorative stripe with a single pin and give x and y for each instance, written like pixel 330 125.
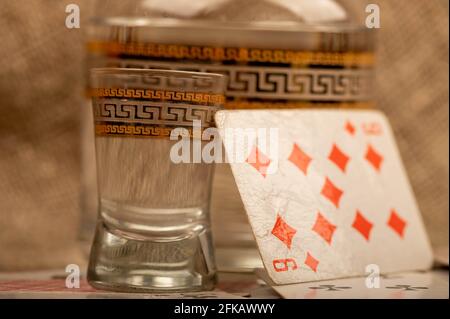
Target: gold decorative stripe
pixel 131 130
pixel 163 95
pixel 208 53
pixel 239 104
pixel 125 130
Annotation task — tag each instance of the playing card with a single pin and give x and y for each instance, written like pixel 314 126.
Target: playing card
pixel 325 191
pixel 409 285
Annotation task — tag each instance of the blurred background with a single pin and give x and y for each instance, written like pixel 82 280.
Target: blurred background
pixel 41 96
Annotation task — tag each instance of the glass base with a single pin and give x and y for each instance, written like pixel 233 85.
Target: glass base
pixel 122 262
pixel 238 259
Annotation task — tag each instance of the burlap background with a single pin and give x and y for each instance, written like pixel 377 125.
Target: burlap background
pixel 41 95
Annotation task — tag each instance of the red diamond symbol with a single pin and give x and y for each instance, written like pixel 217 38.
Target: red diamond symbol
pixel 259 161
pixel 397 223
pixel 331 192
pixel 283 231
pixel 339 158
pixel 324 228
pixel 311 262
pixel 350 128
pixel 300 159
pixel 362 225
pixel 374 158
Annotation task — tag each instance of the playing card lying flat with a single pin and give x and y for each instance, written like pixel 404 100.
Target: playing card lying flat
pixel 408 285
pixel 325 191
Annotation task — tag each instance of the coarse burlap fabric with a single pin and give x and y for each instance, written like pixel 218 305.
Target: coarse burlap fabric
pixel 41 94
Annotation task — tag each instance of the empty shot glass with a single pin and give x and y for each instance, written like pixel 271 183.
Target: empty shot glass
pixel 153 230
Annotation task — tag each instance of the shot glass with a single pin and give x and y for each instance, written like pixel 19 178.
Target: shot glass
pixel 153 230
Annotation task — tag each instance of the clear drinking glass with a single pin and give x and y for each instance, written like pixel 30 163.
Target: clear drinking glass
pixel 153 230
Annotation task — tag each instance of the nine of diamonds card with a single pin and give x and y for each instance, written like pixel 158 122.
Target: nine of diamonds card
pixel 325 191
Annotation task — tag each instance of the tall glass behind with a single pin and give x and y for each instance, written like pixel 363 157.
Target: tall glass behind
pixel 259 45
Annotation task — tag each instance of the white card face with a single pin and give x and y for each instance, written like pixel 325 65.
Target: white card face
pixel 326 193
pixel 409 285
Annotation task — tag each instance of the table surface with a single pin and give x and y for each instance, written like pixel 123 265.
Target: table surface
pixel 52 285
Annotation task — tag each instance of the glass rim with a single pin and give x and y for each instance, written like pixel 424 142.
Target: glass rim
pixel 161 72
pixel 255 26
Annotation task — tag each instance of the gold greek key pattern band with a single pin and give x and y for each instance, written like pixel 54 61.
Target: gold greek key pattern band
pixel 102 129
pixel 238 55
pixel 153 113
pixel 144 118
pixel 280 83
pixel 131 130
pixel 161 95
